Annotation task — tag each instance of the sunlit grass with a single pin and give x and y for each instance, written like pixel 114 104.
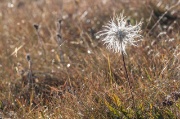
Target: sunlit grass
pixel 85 80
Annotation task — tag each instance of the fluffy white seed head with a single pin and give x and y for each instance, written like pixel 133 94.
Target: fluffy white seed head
pixel 117 34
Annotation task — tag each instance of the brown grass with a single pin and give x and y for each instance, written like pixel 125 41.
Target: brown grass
pixel 86 80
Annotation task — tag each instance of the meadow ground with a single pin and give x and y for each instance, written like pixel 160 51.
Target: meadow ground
pixel 52 65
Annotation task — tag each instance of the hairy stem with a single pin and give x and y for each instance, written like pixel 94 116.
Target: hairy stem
pixel 129 83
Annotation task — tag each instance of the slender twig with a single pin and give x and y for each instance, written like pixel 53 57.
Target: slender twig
pixel 30 80
pixel 129 83
pixel 40 40
pixel 59 26
pixel 60 41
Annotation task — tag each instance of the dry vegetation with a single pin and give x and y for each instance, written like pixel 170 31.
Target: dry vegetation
pixel 81 79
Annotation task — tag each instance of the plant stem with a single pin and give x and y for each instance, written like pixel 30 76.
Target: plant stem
pixel 129 83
